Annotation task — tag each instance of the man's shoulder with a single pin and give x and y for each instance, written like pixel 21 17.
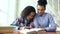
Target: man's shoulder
pixel 44 14
pixel 48 14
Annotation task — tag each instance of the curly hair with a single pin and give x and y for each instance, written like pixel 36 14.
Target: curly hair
pixel 27 10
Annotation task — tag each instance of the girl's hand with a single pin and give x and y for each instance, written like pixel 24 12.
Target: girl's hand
pixel 27 27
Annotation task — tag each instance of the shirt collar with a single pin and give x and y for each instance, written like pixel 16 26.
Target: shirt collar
pixel 42 15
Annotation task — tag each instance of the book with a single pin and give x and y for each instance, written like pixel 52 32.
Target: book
pixel 33 31
pixel 4 29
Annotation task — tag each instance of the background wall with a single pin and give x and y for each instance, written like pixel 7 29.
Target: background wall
pixel 55 10
pixel 53 7
pixel 11 9
pixel 7 11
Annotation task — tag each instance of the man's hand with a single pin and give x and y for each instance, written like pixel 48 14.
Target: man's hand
pixel 40 28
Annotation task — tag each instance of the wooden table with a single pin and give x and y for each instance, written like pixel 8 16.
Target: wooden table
pixel 17 32
pixel 57 32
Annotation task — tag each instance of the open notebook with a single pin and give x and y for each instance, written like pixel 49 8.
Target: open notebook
pixel 25 31
pixel 6 29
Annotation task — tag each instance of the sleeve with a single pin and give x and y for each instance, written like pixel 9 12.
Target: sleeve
pixel 16 22
pixel 35 23
pixel 52 25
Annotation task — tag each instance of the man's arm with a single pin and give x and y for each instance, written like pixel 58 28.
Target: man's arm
pixel 52 25
pixel 35 23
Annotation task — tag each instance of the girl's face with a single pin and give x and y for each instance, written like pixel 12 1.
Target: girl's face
pixel 30 16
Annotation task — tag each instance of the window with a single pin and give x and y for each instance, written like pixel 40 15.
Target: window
pixel 7 11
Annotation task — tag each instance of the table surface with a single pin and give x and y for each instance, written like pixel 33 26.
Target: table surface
pixel 17 32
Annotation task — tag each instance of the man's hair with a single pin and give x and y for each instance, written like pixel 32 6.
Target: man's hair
pixel 42 2
pixel 27 10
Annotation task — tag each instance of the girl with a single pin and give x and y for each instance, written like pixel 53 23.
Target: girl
pixel 26 18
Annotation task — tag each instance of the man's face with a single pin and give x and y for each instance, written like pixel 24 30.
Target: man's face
pixel 40 9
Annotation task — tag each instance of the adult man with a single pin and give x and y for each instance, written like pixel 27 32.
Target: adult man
pixel 42 19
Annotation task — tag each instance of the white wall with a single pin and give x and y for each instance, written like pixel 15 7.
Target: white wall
pixel 24 3
pixel 11 9
pixel 7 11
